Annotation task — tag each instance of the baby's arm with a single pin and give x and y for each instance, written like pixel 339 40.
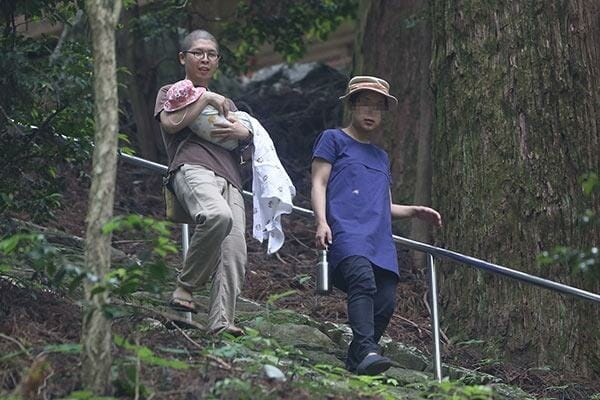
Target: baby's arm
pixel 173 122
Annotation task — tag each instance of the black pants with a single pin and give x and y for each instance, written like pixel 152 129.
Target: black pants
pixel 371 302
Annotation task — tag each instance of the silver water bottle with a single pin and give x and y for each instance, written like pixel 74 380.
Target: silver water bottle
pixel 323 274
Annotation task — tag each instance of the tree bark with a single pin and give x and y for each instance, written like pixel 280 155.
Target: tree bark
pixel 141 87
pixel 96 332
pixel 394 43
pixel 516 86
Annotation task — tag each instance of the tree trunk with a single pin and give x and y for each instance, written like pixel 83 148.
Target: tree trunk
pixel 141 86
pixel 516 87
pixel 96 333
pixel 394 43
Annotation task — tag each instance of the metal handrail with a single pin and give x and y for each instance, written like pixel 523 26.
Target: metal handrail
pixel 422 247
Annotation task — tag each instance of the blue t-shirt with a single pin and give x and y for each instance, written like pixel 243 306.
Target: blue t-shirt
pixel 358 200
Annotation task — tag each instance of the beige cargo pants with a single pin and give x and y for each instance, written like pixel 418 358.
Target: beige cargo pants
pixel 217 251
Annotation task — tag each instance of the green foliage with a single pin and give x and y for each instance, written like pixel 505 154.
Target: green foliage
pixel 302 279
pixel 272 299
pixel 236 388
pixel 51 266
pixel 125 148
pixel 147 356
pixel 59 269
pixel 66 348
pixel 52 10
pixel 590 183
pixel 147 273
pixel 585 260
pixel 153 22
pixel 362 385
pixel 284 24
pixel 449 390
pixel 260 348
pixel 287 25
pixel 86 395
pixel 126 371
pixel 146 228
pixel 47 118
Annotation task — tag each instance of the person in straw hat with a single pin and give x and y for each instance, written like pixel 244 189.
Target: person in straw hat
pixel 353 208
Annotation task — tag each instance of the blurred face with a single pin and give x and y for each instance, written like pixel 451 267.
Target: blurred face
pixel 201 61
pixel 367 110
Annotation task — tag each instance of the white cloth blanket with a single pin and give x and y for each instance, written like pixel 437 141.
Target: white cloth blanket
pixel 272 187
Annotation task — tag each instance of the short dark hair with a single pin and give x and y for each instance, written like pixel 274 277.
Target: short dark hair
pixel 191 37
pixel 354 97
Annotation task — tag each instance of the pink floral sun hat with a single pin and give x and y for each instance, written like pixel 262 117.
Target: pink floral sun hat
pixel 181 94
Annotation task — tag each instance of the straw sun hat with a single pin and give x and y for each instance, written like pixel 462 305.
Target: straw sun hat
pixel 371 83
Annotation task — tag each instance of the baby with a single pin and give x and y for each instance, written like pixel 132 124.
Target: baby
pixel 272 188
pixel 183 93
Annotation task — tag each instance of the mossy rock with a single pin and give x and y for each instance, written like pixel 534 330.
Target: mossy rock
pixel 403 393
pixel 320 357
pixel 506 392
pixel 277 317
pixel 339 333
pixel 467 376
pixel 407 376
pixel 244 304
pixel 405 356
pixel 295 335
pixel 244 316
pixel 280 316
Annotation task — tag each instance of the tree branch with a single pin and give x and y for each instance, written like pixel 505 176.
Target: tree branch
pixel 165 316
pixel 216 359
pixel 116 11
pixel 15 341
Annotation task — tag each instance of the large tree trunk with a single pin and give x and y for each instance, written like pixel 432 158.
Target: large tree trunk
pixel 516 86
pixel 96 333
pixel 394 43
pixel 142 63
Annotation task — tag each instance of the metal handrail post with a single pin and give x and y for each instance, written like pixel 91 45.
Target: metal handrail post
pixel 185 239
pixel 435 319
pixel 185 244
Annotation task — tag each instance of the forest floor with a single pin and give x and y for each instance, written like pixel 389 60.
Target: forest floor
pixel 51 319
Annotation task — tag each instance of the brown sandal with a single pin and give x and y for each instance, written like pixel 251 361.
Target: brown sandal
pixel 232 330
pixel 177 304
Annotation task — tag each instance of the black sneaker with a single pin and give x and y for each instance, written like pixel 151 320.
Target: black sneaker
pixel 373 364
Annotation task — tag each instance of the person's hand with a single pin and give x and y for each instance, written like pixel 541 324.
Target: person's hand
pixel 428 215
pixel 323 236
pixel 234 129
pixel 217 101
